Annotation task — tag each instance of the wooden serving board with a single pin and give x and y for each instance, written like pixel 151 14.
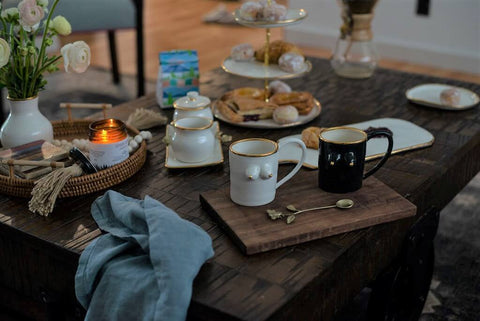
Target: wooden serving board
pixel 253 231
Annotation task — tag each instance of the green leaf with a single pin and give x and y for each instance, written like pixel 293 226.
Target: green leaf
pixel 290 218
pixel 291 208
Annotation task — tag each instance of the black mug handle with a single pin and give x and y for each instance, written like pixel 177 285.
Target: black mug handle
pixel 384 132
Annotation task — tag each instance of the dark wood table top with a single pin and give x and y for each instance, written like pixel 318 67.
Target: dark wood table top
pixel 304 282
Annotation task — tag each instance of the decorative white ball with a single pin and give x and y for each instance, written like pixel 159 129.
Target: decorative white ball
pixel 146 135
pixel 138 139
pixel 133 144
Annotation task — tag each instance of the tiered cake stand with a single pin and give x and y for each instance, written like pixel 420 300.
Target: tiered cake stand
pixel 265 71
pixel 257 70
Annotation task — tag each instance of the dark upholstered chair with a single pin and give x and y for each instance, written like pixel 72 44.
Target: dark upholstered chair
pixel 109 15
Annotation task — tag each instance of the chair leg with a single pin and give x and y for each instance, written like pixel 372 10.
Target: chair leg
pixel 113 56
pixel 140 66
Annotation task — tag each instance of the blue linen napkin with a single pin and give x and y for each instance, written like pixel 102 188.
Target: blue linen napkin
pixel 143 268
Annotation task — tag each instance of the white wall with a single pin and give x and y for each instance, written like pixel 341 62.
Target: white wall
pixel 448 38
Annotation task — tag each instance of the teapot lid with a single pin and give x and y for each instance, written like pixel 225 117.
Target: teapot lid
pixel 193 101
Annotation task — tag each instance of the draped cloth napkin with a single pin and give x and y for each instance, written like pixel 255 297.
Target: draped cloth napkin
pixel 143 268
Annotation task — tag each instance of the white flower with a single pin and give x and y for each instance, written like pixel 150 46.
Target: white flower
pixel 30 14
pixel 4 52
pixel 76 56
pixel 61 26
pixel 10 14
pixel 42 3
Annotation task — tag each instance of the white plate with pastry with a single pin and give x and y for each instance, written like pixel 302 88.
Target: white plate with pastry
pixel 246 107
pixel 214 159
pixel 443 96
pixel 406 136
pixel 258 70
pixel 293 16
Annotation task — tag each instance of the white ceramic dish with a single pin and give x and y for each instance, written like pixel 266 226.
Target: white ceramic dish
pixel 214 159
pixel 406 136
pixel 258 70
pixel 293 16
pixel 269 123
pixel 429 95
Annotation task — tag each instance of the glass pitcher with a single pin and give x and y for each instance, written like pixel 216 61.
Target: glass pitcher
pixel 355 55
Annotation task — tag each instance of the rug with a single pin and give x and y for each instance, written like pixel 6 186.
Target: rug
pixel 455 289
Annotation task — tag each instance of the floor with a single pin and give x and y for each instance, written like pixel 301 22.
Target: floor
pixel 177 24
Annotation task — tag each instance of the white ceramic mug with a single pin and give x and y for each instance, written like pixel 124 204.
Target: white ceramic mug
pixel 254 168
pixel 192 139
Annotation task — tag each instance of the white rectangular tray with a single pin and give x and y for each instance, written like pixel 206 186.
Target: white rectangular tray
pixel 406 136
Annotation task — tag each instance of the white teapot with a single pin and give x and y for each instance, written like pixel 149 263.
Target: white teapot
pixel 192 105
pixel 192 139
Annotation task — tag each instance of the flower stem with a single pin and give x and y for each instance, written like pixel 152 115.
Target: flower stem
pixel 36 72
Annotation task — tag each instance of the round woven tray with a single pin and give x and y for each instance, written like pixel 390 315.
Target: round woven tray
pixel 84 184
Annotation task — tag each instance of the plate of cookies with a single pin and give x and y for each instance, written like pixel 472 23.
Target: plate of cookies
pixel 261 14
pixel 443 96
pixel 247 107
pixel 285 60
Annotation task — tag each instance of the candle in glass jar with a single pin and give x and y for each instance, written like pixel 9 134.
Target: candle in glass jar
pixel 108 142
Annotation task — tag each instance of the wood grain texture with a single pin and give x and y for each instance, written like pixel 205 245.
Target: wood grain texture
pixel 254 232
pixel 298 282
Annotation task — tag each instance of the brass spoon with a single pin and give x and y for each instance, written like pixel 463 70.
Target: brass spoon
pixel 343 204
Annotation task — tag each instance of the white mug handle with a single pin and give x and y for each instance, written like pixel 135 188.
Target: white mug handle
pixel 300 143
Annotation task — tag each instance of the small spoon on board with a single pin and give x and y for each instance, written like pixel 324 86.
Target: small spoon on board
pixel 274 215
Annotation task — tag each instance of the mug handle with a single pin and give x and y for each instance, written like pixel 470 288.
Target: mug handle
pixel 384 132
pixel 300 143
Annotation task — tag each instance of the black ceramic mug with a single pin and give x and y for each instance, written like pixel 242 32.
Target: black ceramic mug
pixel 342 157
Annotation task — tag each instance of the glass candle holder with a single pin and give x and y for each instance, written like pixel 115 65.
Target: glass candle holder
pixel 108 142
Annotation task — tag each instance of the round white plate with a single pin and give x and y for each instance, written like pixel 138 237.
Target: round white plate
pixel 429 95
pixel 269 123
pixel 293 16
pixel 257 70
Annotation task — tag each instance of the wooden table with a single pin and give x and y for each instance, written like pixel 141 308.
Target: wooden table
pixel 311 281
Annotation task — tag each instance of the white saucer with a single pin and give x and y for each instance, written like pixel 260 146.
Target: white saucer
pixel 293 16
pixel 406 136
pixel 429 95
pixel 257 70
pixel 214 159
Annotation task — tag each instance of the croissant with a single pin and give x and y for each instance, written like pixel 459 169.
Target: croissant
pixel 302 100
pixel 245 92
pixel 275 50
pixel 311 137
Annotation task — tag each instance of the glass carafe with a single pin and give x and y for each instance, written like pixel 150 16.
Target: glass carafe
pixel 355 55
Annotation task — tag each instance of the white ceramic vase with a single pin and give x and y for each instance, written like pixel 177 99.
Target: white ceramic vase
pixel 25 123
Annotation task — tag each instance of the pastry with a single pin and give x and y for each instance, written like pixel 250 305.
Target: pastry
pixel 450 97
pixel 245 92
pixel 285 114
pixel 291 62
pixel 242 52
pixel 251 11
pixel 311 137
pixel 275 50
pixel 278 86
pixel 303 101
pixel 245 109
pixel 274 12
